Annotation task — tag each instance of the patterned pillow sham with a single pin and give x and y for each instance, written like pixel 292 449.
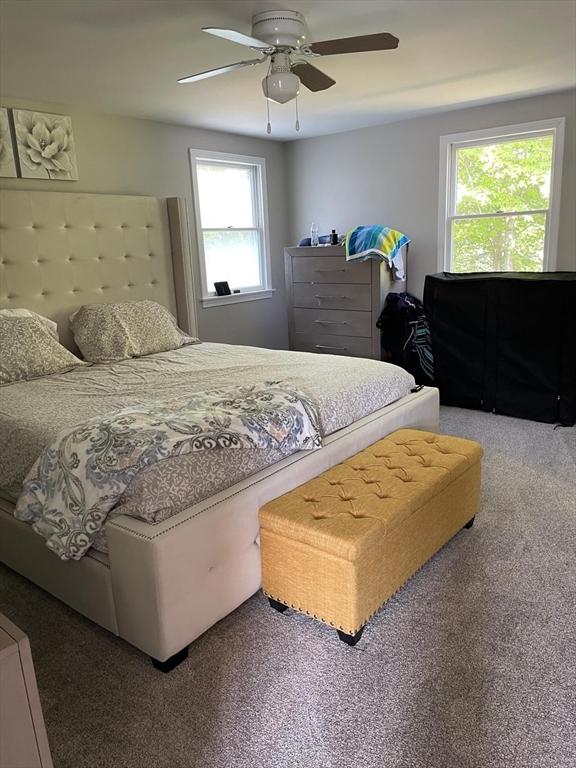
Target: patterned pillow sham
pixel 105 333
pixel 50 324
pixel 28 350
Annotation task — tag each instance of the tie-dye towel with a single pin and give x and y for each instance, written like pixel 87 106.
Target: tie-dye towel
pixel 378 242
pixel 79 478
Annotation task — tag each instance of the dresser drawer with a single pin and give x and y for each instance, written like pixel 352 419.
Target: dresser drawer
pixel 329 269
pixel 332 296
pixel 335 322
pixel 352 346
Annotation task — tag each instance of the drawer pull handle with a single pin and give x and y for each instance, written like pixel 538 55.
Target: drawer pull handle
pixel 319 296
pixel 331 322
pixel 330 270
pixel 326 346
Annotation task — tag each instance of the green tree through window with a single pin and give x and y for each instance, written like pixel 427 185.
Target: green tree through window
pixel 502 198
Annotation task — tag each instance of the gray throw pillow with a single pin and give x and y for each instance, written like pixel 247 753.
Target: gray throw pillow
pixel 28 350
pixel 50 324
pixel 105 333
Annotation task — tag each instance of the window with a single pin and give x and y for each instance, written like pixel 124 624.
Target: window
pixel 500 198
pixel 232 225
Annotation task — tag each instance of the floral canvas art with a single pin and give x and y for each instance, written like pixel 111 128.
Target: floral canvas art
pixel 7 162
pixel 45 145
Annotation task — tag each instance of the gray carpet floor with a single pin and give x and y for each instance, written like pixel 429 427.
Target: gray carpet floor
pixel 471 665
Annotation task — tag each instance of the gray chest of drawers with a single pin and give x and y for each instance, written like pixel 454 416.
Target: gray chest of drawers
pixel 333 305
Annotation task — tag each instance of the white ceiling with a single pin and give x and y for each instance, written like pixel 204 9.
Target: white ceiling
pixel 124 56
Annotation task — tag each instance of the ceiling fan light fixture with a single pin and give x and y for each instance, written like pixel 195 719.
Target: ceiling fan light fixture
pixel 281 87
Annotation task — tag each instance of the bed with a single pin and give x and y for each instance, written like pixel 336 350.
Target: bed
pixel 158 586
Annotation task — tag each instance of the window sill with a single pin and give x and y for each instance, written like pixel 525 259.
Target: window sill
pixel 237 298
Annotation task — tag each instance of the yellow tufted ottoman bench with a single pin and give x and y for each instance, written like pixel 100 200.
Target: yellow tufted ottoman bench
pixel 340 545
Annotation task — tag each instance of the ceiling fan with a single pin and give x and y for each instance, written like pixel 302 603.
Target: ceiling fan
pixel 282 39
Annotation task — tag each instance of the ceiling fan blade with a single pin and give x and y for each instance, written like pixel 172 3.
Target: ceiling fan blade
pixel 237 37
pixel 310 76
pixel 382 41
pixel 219 70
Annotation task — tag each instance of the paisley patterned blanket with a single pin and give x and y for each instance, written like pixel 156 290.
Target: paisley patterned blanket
pixel 78 479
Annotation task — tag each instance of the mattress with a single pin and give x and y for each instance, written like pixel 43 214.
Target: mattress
pixel 33 413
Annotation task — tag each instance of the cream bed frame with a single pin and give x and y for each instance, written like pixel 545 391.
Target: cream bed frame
pixel 161 586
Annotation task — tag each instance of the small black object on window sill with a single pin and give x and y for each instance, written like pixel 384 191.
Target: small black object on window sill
pixel 222 288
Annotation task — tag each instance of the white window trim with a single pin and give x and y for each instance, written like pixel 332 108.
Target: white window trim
pixel 209 298
pixel 447 181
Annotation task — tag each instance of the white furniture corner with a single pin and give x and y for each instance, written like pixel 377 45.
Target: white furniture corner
pixel 23 739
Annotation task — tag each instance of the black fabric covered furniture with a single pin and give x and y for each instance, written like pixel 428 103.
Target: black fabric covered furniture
pixel 505 342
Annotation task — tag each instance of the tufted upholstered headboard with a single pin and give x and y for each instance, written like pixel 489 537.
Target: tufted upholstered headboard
pixel 60 250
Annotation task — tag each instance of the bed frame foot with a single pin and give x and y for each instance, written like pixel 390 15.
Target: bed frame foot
pixel 172 662
pixel 470 523
pixel 277 605
pixel 350 639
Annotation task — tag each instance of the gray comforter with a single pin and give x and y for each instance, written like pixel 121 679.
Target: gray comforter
pixel 80 477
pixel 33 413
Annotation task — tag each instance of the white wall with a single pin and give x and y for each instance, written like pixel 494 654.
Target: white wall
pixel 142 157
pixel 389 175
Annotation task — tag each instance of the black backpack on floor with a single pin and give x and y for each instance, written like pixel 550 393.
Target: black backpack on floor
pixel 405 336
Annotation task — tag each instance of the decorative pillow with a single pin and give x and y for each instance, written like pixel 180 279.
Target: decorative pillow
pixel 28 350
pixel 50 324
pixel 108 332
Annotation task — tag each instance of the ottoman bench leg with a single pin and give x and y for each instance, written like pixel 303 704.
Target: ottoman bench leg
pixel 344 636
pixel 277 605
pixel 350 639
pixel 470 523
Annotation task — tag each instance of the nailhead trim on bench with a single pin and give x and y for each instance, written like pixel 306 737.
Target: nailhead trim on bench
pixel 340 627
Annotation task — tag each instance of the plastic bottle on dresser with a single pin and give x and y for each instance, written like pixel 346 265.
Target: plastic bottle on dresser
pixel 314 235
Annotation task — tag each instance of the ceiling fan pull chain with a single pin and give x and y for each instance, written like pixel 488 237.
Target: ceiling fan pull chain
pixel 297 120
pixel 268 126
